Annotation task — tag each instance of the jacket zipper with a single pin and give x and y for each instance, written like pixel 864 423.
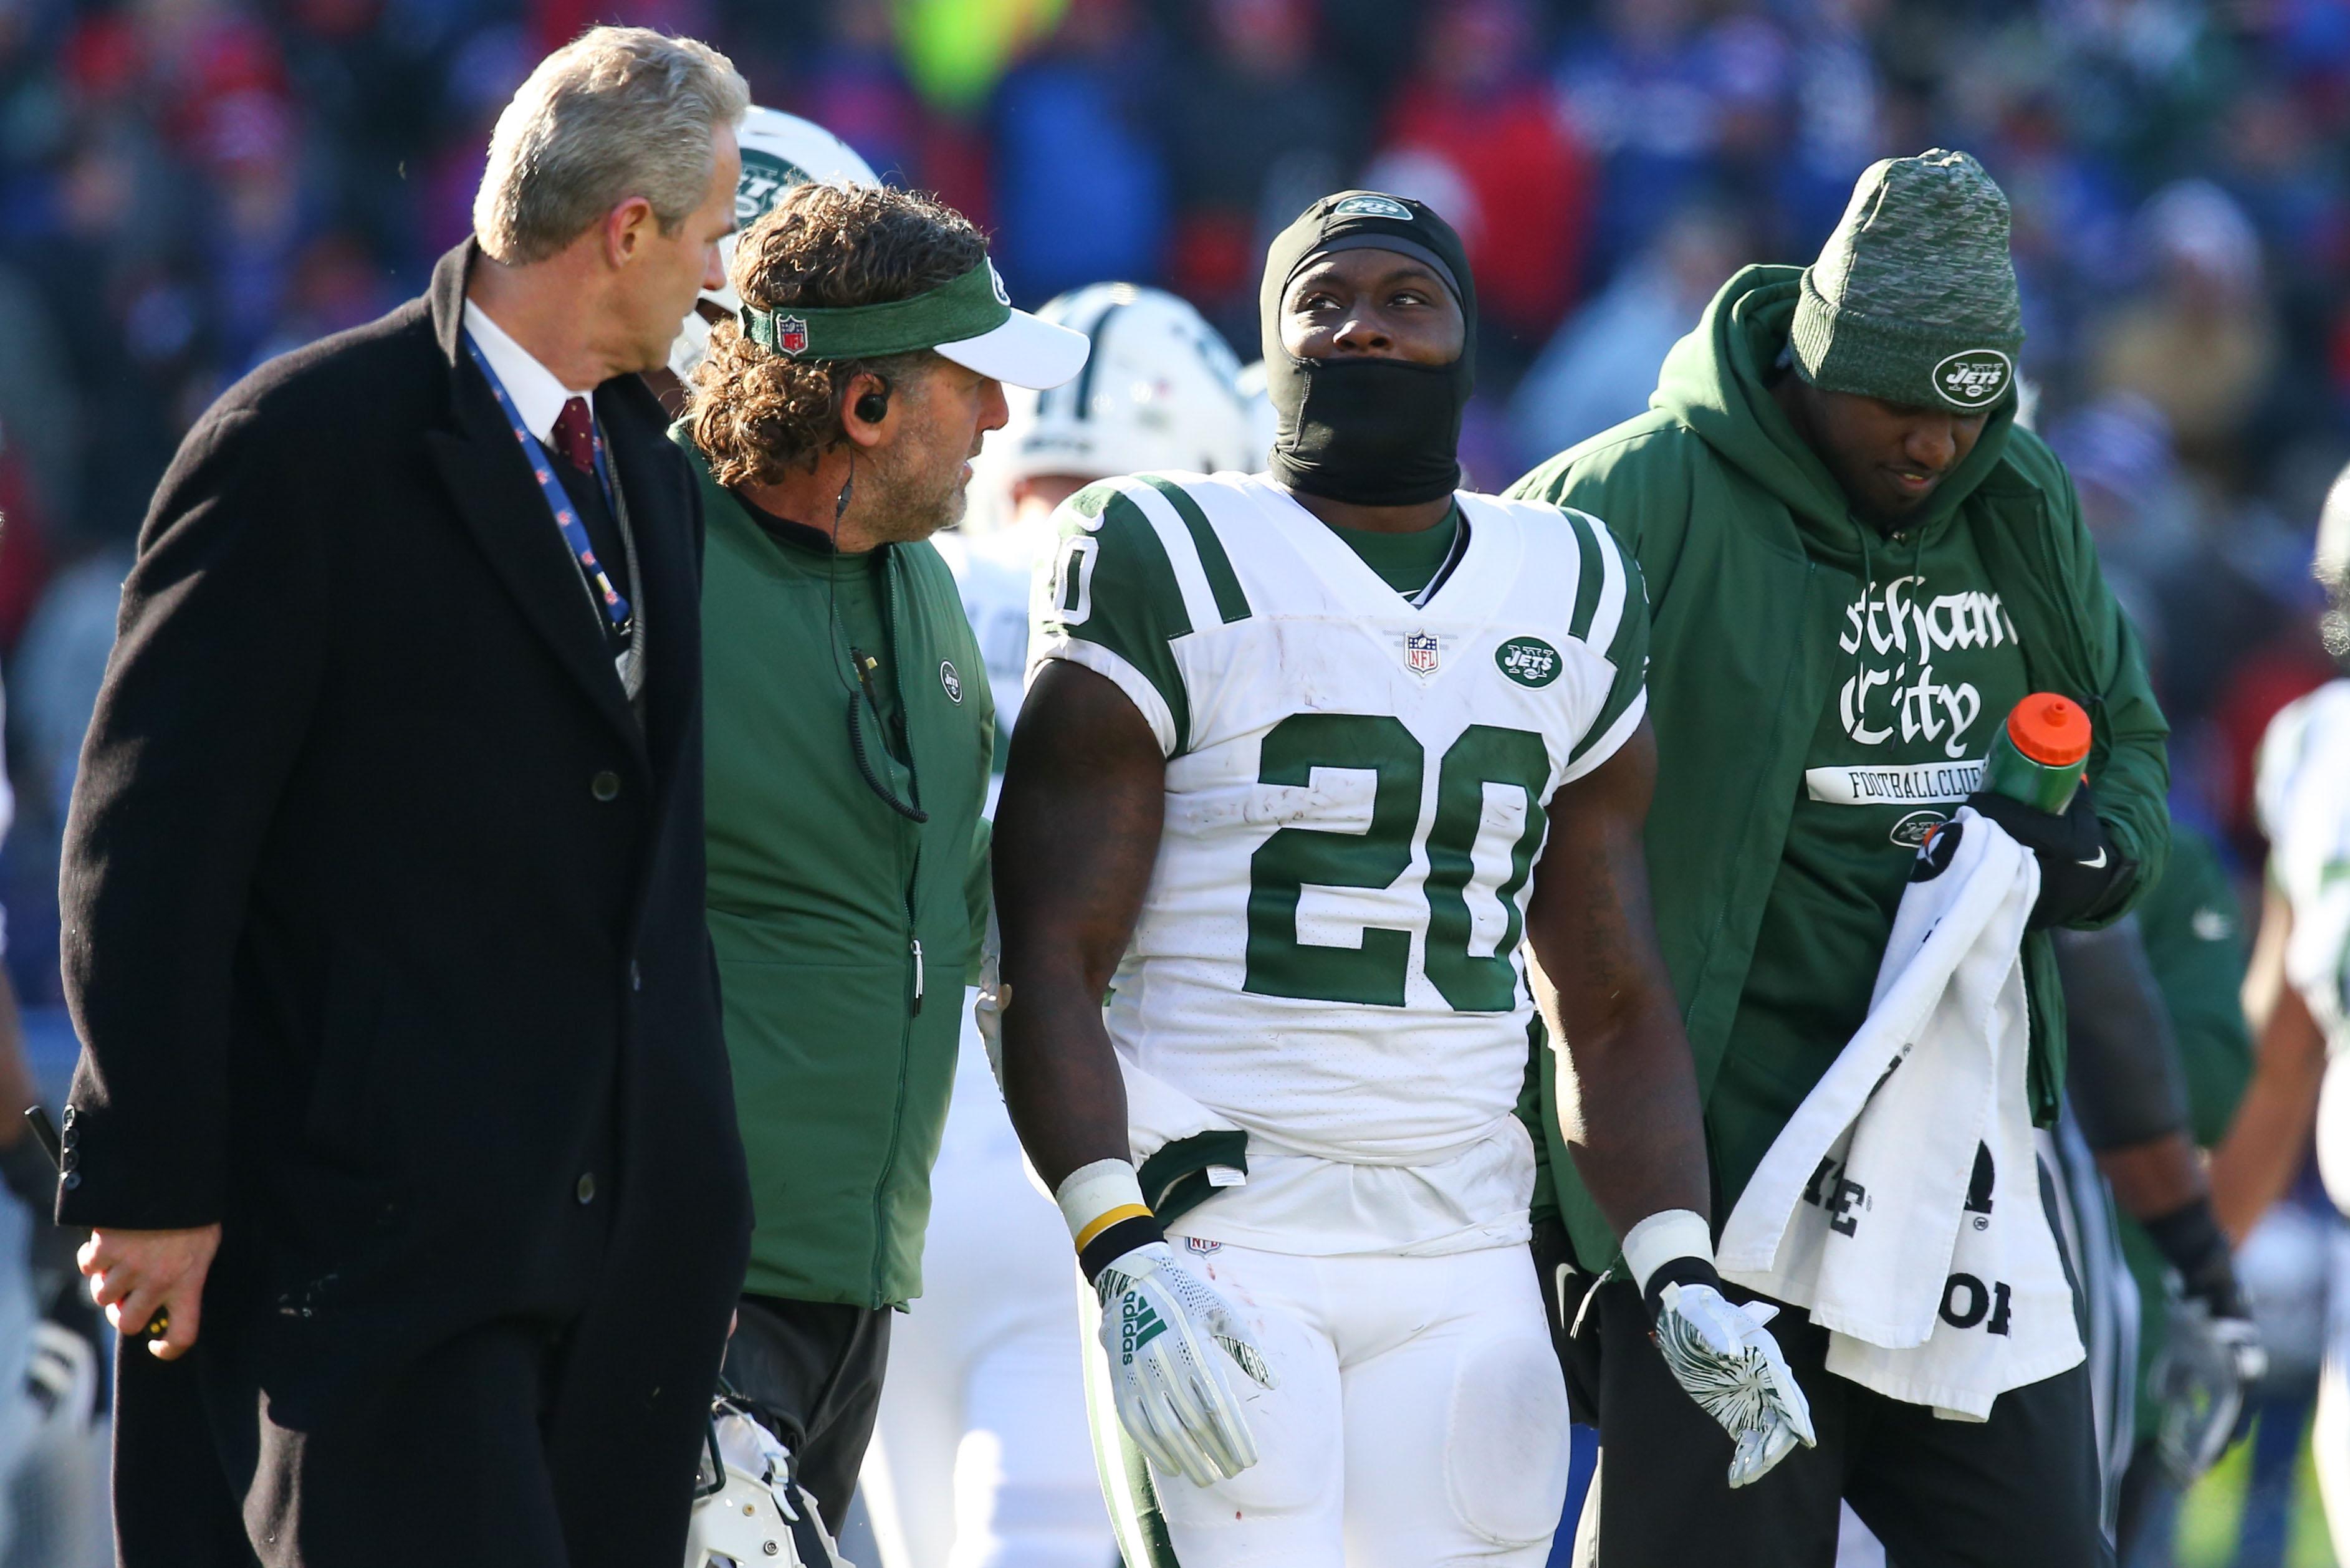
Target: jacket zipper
pixel 913 940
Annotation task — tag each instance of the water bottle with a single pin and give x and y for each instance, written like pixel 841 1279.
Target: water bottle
pixel 2037 754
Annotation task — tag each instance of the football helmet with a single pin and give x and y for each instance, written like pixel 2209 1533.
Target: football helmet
pixel 1156 393
pixel 779 151
pixel 748 1511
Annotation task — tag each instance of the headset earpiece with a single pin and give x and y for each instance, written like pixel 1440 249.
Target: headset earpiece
pixel 874 405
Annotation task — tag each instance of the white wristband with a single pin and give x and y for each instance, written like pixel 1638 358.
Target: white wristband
pixel 1093 1197
pixel 1663 1236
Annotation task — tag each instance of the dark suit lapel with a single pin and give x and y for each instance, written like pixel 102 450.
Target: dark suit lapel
pixel 490 483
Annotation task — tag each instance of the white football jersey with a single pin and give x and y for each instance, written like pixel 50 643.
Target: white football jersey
pixel 1357 785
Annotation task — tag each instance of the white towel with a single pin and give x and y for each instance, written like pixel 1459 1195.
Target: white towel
pixel 1901 1205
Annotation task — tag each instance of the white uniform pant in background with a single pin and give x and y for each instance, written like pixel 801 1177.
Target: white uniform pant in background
pixel 980 1456
pixel 1420 1419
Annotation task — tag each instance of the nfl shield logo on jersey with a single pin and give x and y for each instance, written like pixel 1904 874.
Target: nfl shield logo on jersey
pixel 1419 653
pixel 791 335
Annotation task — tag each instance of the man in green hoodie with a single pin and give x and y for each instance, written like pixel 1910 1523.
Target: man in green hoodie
pixel 1857 564
pixel 850 735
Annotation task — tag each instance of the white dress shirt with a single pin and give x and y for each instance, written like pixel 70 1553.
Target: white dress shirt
pixel 538 395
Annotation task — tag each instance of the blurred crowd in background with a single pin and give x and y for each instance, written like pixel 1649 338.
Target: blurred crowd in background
pixel 190 186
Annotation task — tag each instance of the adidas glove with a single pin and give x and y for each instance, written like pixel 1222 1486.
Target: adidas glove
pixel 1157 1321
pixel 2080 871
pixel 1722 1356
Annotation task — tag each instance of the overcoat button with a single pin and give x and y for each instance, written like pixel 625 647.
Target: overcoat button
pixel 588 1188
pixel 605 786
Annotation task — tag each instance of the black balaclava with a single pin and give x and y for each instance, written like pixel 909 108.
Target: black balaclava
pixel 1376 433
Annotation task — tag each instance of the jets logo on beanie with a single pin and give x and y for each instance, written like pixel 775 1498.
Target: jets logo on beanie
pixel 1913 298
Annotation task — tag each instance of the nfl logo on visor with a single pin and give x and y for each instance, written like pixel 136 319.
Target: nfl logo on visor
pixel 1420 653
pixel 791 335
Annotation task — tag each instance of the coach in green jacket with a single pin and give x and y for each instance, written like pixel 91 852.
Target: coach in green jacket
pixel 1857 564
pixel 850 735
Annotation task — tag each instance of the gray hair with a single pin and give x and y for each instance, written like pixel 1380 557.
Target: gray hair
pixel 617 113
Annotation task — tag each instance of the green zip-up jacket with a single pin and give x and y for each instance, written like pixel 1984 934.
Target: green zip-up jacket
pixel 1753 560
pixel 844 929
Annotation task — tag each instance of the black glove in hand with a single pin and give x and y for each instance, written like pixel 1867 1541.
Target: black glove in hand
pixel 2080 869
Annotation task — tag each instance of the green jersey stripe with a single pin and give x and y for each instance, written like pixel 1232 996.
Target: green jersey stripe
pixel 1608 618
pixel 1131 549
pixel 1223 581
pixel 1589 575
pixel 1627 652
pixel 1113 586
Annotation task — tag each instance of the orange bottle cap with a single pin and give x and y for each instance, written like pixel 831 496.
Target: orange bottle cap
pixel 2051 730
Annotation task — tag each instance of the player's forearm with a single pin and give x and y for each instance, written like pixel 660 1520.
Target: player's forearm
pixel 2270 1138
pixel 1061 1081
pixel 1628 1106
pixel 2154 1178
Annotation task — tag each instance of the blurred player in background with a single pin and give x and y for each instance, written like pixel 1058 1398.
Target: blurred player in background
pixel 2299 988
pixel 982 1459
pixel 1306 753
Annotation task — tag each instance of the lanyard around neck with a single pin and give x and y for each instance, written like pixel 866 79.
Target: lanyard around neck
pixel 616 610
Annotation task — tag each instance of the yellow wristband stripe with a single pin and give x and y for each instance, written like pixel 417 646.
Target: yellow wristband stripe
pixel 1102 1222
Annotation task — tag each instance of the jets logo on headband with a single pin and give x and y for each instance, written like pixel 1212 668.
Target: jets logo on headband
pixel 1373 207
pixel 995 280
pixel 1974 379
pixel 765 178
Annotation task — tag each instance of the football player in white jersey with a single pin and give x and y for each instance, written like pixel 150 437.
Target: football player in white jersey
pixel 1306 753
pixel 981 1457
pixel 2299 988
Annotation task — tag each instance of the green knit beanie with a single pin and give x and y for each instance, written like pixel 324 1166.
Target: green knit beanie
pixel 1913 298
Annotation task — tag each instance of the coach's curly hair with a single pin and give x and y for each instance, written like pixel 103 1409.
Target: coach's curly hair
pixel 757 414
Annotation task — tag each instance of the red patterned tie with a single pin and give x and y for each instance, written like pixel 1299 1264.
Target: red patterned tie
pixel 575 435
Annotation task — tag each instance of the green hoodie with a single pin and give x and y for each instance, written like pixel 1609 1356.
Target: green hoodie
pixel 1764 636
pixel 843 928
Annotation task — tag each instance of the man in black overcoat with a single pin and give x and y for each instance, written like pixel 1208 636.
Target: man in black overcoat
pixel 402 1093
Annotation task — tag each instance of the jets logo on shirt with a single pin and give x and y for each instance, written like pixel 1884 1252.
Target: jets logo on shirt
pixel 949 681
pixel 1528 660
pixel 1421 653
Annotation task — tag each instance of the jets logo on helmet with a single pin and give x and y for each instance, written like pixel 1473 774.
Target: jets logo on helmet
pixel 766 177
pixel 779 151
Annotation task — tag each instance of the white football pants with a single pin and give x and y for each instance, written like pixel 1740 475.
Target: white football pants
pixel 980 1455
pixel 1420 1422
